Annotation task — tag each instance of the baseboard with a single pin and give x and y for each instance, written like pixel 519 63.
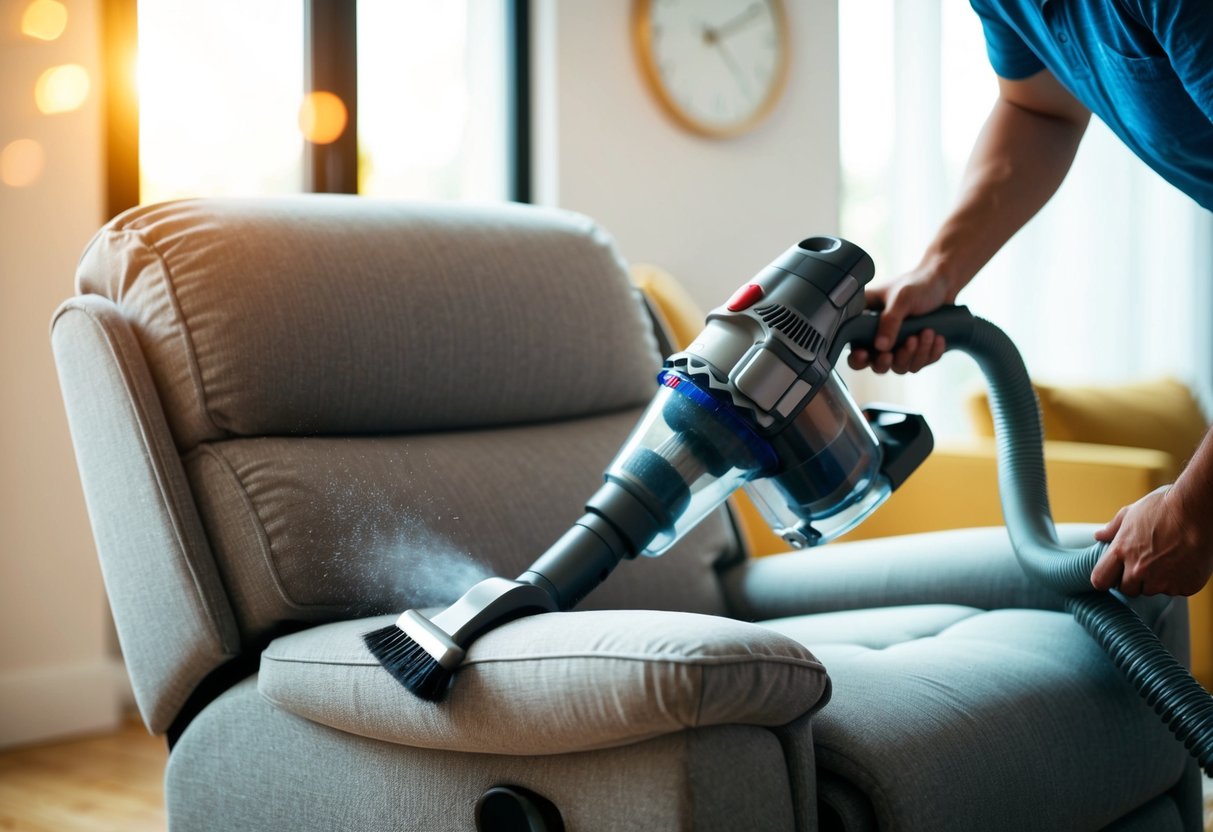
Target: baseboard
pixel 46 703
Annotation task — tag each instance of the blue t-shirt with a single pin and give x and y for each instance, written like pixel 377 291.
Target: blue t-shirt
pixel 1145 67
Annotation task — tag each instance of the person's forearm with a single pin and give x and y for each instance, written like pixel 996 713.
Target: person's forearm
pixel 1018 161
pixel 1192 493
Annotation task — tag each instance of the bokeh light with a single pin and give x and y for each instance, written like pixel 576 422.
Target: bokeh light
pixel 322 117
pixel 44 20
pixel 61 89
pixel 21 163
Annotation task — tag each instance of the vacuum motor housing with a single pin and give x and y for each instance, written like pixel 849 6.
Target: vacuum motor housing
pixel 767 347
pixel 757 394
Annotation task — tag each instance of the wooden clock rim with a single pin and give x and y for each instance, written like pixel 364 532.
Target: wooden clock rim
pixel 642 38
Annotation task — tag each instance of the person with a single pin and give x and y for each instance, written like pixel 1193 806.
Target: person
pixel 1146 69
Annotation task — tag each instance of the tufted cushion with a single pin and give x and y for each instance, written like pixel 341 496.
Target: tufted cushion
pixel 935 705
pixel 329 314
pixel 555 683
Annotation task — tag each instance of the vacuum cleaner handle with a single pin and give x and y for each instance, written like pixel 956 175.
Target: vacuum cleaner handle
pixel 954 323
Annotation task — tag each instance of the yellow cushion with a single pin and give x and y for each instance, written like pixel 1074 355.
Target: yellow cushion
pixel 957 486
pixel 682 317
pixel 1161 414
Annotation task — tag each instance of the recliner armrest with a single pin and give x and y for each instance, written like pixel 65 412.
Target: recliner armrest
pixel 971 567
pixel 967 567
pixel 555 683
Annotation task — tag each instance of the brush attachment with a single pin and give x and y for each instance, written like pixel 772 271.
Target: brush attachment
pixel 410 664
pixel 422 654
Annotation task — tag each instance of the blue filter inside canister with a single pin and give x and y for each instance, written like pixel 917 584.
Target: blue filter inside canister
pixel 687 454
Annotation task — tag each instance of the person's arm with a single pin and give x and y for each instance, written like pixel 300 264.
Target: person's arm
pixel 1163 543
pixel 1019 159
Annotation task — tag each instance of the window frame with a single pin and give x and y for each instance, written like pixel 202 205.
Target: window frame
pixel 330 63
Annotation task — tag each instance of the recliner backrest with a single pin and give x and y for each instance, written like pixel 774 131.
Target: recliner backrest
pixel 366 405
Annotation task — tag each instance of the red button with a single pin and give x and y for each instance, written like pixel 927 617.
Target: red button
pixel 745 297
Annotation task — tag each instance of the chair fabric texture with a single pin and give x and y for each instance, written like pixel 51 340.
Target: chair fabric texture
pixel 998 692
pixel 300 317
pixel 245 765
pixel 558 683
pixel 155 556
pixel 296 417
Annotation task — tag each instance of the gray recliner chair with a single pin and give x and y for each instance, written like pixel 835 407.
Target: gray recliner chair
pixel 296 417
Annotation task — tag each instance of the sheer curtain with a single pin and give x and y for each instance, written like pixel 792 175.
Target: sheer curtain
pixel 1112 281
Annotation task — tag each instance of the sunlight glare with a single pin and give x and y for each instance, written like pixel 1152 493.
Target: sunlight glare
pixel 431 99
pixel 219 90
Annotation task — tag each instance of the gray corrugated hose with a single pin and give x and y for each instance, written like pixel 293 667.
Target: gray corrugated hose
pixel 1165 684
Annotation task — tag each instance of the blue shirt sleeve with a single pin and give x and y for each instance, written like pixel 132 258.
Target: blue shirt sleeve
pixel 1009 55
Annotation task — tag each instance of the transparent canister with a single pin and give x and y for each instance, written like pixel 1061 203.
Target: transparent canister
pixel 839 482
pixel 688 453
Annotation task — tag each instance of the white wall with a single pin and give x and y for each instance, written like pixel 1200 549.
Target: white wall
pixel 712 212
pixel 56 665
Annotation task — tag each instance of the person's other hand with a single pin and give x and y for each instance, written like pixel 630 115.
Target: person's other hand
pixel 1155 549
pixel 914 293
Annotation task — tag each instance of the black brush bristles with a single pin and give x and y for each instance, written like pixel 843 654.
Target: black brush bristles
pixel 408 662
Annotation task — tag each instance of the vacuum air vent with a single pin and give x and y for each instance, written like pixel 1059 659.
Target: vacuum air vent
pixel 794 327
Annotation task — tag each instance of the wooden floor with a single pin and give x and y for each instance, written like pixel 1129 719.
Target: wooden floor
pixel 112 783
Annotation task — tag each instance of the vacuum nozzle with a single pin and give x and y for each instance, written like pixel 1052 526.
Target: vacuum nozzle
pixel 421 653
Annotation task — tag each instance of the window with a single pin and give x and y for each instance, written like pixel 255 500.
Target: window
pixel 433 104
pixel 220 88
pixel 432 98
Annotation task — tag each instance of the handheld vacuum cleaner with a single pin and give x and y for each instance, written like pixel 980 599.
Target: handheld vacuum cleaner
pixel 755 401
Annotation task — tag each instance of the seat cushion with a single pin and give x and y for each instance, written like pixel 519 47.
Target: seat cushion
pixel 949 717
pixel 555 683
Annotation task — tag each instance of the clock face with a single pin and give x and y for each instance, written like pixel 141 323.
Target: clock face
pixel 718 66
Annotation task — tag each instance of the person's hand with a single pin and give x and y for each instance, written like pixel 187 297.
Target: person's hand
pixel 914 293
pixel 1155 549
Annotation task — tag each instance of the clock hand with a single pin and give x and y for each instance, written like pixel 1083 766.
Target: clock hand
pixel 734 69
pixel 722 31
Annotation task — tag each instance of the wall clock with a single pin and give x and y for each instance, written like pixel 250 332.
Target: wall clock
pixel 717 67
